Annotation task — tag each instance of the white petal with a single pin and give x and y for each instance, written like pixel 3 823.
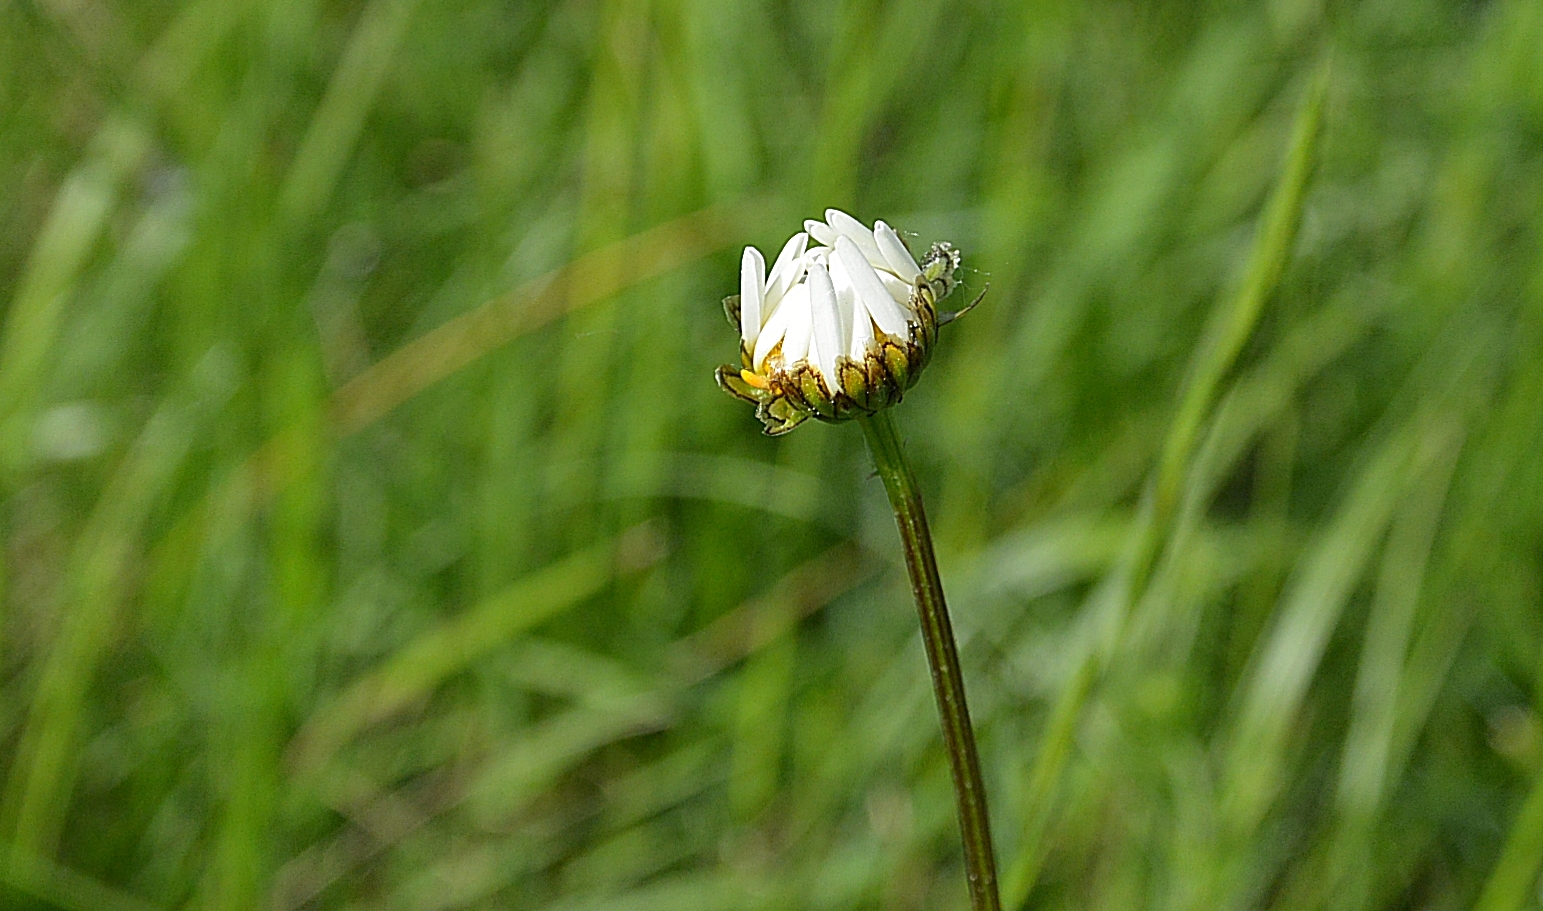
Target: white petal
pixel 856 321
pixel 888 314
pixel 859 233
pixel 847 303
pixel 827 321
pixel 788 269
pixel 776 327
pixel 820 231
pixel 795 344
pixel 752 290
pixel 862 332
pixel 896 255
pixel 897 289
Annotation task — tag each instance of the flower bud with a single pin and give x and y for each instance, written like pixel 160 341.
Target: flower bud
pixel 836 330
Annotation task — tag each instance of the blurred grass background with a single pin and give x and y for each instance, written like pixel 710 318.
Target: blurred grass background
pixel 375 536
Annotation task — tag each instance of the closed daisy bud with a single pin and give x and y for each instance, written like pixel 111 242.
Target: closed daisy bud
pixel 838 329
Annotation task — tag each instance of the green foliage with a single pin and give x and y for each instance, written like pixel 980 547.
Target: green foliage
pixel 375 535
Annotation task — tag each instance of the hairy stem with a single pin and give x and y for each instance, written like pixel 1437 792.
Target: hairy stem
pixel 942 658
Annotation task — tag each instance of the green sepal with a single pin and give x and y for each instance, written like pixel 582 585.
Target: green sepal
pixel 731 382
pixel 899 367
pixel 778 416
pixel 923 295
pixel 731 310
pixel 814 393
pixel 920 358
pixel 882 389
pixel 854 382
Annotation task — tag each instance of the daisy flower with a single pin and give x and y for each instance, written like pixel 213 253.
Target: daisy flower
pixel 841 326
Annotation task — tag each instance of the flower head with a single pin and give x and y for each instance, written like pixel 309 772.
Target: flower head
pixel 839 328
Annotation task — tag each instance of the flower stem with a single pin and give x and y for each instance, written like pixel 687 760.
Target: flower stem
pixel 942 657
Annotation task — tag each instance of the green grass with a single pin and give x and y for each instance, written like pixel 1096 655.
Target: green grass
pixel 376 537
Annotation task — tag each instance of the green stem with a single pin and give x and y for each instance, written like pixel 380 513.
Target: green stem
pixel 942 657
